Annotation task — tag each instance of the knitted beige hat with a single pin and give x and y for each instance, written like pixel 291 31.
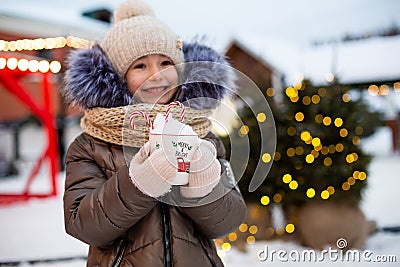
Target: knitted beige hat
pixel 136 33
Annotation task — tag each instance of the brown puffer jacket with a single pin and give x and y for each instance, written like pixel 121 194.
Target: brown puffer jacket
pixel 104 209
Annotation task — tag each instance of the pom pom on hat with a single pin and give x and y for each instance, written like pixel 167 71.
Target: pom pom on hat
pixel 132 8
pixel 137 33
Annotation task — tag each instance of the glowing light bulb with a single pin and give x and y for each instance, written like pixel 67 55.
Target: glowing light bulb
pixel 270 92
pixel 338 122
pixel 322 92
pixel 396 85
pixel 287 178
pixel 226 246
pixel 351 180
pixel 331 190
pixel 293 185
pixel 325 194
pixel 266 157
pixel 290 228
pixel 253 229
pixel 346 98
pixel 23 64
pixel 310 192
pixel 244 130
pixel 299 150
pixel 327 161
pixel 232 237
pixel 383 89
pixel 327 121
pixel 316 141
pixel 345 186
pixel 243 227
pixel 3 63
pixel 44 66
pixel 277 198
pixel 265 200
pixel 33 65
pixel 315 99
pixel 291 92
pixel 291 131
pixel 373 90
pixel 299 116
pixel 350 158
pixel 306 100
pixel 291 152
pixel 329 77
pixel 55 66
pixel 319 118
pixel 2 45
pixel 250 240
pixel 359 130
pixel 305 135
pixel 339 147
pixel 343 132
pixel 309 158
pixel 261 117
pixel 12 63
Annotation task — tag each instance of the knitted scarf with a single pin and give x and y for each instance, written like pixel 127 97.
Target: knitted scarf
pixel 112 124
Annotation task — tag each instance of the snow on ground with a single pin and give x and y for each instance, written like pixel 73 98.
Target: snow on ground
pixel 34 230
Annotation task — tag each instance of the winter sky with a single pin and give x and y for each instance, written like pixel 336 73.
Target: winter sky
pixel 221 20
pixel 294 20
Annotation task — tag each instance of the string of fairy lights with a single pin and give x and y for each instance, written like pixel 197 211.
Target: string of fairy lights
pixel 34 65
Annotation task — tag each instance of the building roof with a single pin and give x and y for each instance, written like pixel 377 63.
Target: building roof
pixel 362 61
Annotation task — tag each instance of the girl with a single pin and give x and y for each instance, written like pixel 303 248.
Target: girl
pixel 114 203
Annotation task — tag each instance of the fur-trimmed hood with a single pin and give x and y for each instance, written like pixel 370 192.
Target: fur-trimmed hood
pixel 91 81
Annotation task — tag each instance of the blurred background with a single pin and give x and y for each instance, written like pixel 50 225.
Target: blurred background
pixel 329 71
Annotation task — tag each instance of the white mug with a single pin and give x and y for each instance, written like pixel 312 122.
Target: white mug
pixel 180 147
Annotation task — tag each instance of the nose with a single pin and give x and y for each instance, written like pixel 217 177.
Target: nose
pixel 155 73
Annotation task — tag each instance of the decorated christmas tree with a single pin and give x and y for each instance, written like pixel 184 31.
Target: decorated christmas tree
pixel 318 155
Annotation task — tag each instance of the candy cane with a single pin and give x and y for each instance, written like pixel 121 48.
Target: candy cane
pixel 144 115
pixel 175 103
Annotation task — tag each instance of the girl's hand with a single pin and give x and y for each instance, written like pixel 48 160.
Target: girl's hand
pixel 152 173
pixel 205 173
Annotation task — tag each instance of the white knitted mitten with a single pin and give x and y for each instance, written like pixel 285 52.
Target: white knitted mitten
pixel 205 173
pixel 151 174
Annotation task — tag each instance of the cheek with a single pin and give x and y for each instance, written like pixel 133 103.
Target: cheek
pixel 172 76
pixel 133 86
pixel 134 83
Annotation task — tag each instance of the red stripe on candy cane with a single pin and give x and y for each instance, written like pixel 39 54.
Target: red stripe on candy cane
pixel 144 115
pixel 175 103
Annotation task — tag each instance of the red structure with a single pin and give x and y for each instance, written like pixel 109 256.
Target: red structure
pixel 10 80
pixel 183 166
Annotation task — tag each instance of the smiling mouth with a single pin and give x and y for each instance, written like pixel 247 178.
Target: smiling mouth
pixel 154 90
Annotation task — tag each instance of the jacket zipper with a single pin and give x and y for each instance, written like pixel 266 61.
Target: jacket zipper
pixel 166 235
pixel 206 252
pixel 120 254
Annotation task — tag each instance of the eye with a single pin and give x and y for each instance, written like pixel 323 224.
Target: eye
pixel 167 63
pixel 139 66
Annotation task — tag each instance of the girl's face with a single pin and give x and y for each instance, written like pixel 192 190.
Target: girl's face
pixel 152 79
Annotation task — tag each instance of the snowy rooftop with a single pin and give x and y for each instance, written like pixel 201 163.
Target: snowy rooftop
pixel 369 60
